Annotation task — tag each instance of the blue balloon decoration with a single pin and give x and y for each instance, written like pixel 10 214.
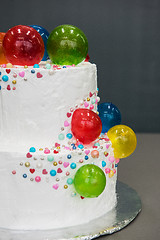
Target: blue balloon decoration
pixel 109 115
pixel 44 34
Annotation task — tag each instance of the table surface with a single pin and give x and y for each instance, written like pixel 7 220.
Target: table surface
pixel 141 172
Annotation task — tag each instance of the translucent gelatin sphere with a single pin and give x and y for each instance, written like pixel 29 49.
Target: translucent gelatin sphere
pixel 67 45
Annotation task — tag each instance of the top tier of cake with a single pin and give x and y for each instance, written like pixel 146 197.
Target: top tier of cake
pixel 34 101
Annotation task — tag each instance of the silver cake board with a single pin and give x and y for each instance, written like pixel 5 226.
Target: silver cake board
pixel 128 207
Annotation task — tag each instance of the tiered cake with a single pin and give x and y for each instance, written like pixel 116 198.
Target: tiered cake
pixel 50 178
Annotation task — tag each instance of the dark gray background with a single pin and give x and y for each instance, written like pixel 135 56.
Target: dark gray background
pixel 124 42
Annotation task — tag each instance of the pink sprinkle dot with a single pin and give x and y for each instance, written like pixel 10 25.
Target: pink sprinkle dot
pixel 91 106
pixel 3 65
pixel 81 160
pixel 117 160
pixel 38 179
pixel 46 151
pixel 111 159
pixel 14 172
pixel 67 173
pixel 60 162
pixel 107 170
pixel 114 170
pixel 86 104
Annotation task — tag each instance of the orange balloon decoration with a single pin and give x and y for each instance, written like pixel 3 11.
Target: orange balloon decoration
pixel 3 59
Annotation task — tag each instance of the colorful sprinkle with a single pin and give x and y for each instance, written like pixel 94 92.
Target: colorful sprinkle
pixel 86 157
pixel 25 175
pixel 46 151
pixel 56 186
pixel 53 172
pixel 5 78
pixel 37 178
pixel 69 135
pixel 21 74
pixel 27 164
pixel 80 146
pixel 61 136
pixel 32 71
pixel 50 158
pixel 111 174
pixel 69 156
pixel 39 75
pixel 32 149
pixel 28 155
pixel 66 164
pixel 103 163
pixel 111 159
pixel 48 66
pixel 66 123
pixel 95 154
pixel 65 186
pixel 73 165
pixel 36 66
pixel 107 170
pixel 59 170
pixel 14 172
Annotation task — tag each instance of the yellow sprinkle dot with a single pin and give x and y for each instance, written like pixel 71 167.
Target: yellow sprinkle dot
pixel 27 164
pixel 14 81
pixel 55 163
pixel 9 65
pixel 88 99
pixel 105 153
pixel 41 149
pixel 25 66
pixel 58 147
pixel 111 174
pixel 65 186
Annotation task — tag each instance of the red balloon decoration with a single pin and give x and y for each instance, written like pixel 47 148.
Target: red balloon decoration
pixel 23 45
pixel 86 125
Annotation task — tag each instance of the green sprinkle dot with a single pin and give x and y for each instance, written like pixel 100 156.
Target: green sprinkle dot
pixel 69 181
pixel 93 100
pixel 61 136
pixel 50 158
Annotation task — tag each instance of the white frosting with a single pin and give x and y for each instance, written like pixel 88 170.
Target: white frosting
pixel 34 113
pixel 26 204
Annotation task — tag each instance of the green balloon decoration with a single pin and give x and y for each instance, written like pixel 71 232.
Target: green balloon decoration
pixel 67 45
pixel 90 181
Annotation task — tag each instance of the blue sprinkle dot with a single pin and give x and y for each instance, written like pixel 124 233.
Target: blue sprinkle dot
pixel 116 165
pixel 24 175
pixel 5 78
pixel 0 73
pixel 69 135
pixel 32 149
pixel 36 66
pixel 0 87
pixel 74 147
pixel 64 67
pixel 97 89
pixel 69 181
pixel 72 144
pixel 80 146
pixel 86 157
pixel 103 163
pixel 53 173
pixel 73 165
pixel 69 156
pixel 32 71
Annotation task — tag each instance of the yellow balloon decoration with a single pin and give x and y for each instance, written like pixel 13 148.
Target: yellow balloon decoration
pixel 123 140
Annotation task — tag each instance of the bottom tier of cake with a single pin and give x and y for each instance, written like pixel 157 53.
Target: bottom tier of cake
pixel 37 187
